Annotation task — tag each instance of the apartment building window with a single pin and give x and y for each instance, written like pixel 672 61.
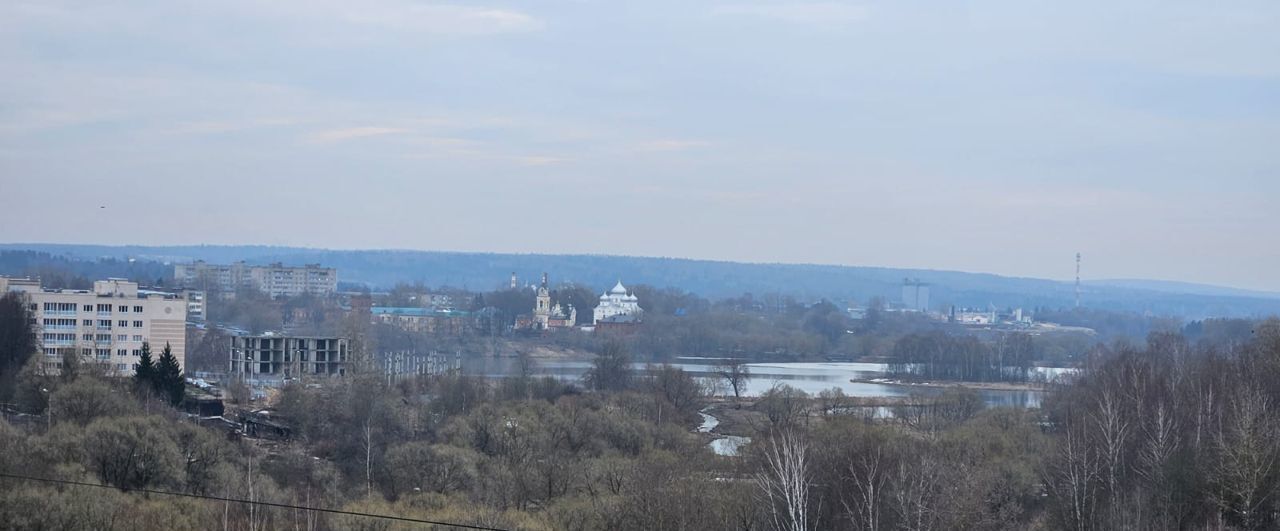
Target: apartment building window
pixel 87 337
pixel 122 324
pixel 88 307
pixel 137 352
pixel 122 309
pixel 86 352
pixel 122 352
pixel 103 353
pixel 88 322
pixel 60 307
pixel 137 324
pixel 103 338
pixel 122 337
pixel 137 338
pixel 137 309
pixel 50 351
pixel 104 324
pixel 104 308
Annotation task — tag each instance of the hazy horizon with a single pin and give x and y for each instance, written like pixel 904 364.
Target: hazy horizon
pixel 1139 283
pixel 998 136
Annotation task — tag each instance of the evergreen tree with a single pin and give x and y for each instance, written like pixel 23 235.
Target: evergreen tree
pixel 145 375
pixel 169 381
pixel 18 339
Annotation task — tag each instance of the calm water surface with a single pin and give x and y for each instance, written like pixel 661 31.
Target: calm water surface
pixel 808 377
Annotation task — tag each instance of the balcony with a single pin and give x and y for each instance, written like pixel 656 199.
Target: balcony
pixel 60 313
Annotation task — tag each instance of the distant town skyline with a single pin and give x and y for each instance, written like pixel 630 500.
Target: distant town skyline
pixel 999 137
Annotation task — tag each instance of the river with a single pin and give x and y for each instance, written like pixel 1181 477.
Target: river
pixel 808 377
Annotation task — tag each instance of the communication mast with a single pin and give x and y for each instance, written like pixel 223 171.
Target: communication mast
pixel 1077 280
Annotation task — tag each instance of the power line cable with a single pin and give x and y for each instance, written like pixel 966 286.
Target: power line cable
pixel 252 502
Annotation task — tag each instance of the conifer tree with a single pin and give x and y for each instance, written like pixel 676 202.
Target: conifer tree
pixel 145 375
pixel 169 381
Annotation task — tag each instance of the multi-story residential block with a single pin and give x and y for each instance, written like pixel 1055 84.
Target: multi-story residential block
pixel 195 300
pixel 272 356
pixel 106 325
pixel 274 280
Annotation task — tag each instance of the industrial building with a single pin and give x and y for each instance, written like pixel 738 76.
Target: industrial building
pixel 915 295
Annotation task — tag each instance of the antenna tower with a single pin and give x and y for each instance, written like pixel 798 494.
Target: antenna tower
pixel 1077 280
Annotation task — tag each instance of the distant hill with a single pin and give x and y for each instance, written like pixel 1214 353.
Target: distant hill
pixel 1169 286
pixel 379 269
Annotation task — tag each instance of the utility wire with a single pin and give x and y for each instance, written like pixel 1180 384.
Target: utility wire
pixel 237 500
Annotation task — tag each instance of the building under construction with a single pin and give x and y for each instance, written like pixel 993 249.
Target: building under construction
pixel 274 356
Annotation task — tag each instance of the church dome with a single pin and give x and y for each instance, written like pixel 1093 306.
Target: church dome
pixel 618 289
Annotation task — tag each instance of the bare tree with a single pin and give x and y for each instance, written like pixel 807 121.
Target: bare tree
pixel 1159 444
pixel 786 481
pixel 367 443
pixel 785 406
pixel 1112 433
pixel 1246 457
pixel 915 498
pixel 736 373
pixel 1074 480
pixel 869 477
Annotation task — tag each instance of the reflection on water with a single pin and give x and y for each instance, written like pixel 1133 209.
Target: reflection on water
pixel 808 377
pixel 708 423
pixel 729 445
pixel 726 445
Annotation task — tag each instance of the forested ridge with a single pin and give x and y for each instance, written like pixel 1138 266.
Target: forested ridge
pixel 382 269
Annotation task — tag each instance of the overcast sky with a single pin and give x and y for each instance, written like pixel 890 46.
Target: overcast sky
pixel 995 136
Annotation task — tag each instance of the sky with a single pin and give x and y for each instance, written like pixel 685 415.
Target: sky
pixel 997 136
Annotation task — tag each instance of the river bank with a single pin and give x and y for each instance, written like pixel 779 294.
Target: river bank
pixel 982 386
pixel 735 417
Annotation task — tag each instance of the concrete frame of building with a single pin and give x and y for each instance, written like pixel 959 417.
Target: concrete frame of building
pixel 270 356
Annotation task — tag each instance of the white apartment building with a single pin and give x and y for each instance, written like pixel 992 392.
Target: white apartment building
pixel 274 280
pixel 195 300
pixel 106 325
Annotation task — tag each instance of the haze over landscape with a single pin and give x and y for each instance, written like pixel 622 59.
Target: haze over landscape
pixel 997 136
pixel 721 265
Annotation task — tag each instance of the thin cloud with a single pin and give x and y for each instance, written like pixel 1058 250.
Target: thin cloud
pixel 226 126
pixel 351 133
pixel 435 18
pixel 540 160
pixel 806 13
pixel 668 144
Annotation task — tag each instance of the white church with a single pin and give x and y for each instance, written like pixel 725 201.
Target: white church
pixel 616 302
